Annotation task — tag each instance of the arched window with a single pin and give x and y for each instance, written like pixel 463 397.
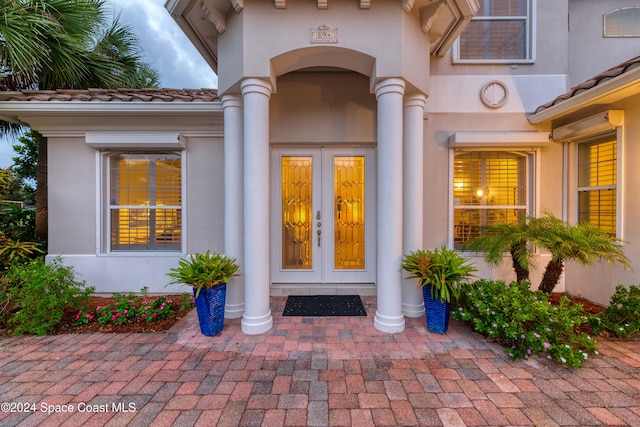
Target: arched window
pixel 624 22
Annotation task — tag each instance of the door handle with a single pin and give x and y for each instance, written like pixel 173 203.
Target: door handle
pixel 319 225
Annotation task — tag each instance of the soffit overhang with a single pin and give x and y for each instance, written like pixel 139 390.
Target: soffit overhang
pixel 52 109
pixel 204 20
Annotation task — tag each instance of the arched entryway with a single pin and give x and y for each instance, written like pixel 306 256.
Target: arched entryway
pixel 324 105
pixel 323 183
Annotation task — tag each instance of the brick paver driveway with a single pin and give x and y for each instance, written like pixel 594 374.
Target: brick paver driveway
pixel 308 371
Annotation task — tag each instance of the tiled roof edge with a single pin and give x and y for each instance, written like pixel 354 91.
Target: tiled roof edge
pixel 603 77
pixel 114 95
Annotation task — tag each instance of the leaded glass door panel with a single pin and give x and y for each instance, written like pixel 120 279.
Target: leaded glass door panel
pixel 322 216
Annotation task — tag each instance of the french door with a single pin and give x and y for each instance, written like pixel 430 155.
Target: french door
pixel 322 215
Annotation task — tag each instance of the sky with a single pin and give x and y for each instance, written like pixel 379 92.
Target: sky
pixel 165 47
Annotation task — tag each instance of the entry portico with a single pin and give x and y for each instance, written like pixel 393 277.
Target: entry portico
pixel 387 213
pixel 320 51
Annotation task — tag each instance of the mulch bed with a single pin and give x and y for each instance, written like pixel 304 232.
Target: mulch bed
pixel 588 306
pixel 67 326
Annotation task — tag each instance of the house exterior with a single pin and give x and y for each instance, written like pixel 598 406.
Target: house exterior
pixel 343 135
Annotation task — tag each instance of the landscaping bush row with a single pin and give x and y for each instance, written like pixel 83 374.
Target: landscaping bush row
pixel 34 296
pixel 526 323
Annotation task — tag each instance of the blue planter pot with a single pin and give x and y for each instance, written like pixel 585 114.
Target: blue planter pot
pixel 436 311
pixel 210 307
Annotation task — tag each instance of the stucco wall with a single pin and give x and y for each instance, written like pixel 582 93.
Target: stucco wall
pixel 72 196
pixel 73 231
pixel 589 51
pixel 75 221
pixel 390 41
pixel 580 279
pixel 204 202
pixel 314 107
pixel 551 44
pixel 77 191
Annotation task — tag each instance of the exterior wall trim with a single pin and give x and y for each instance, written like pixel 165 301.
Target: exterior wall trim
pixel 142 140
pixel 605 93
pixel 599 123
pixel 520 140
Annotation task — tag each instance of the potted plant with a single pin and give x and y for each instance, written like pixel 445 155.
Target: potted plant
pixel 208 274
pixel 442 274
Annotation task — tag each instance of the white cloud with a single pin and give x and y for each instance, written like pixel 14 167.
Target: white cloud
pixel 165 46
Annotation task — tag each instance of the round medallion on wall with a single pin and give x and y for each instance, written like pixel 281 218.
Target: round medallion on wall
pixel 494 94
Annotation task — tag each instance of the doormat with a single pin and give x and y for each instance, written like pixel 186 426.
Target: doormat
pixel 324 305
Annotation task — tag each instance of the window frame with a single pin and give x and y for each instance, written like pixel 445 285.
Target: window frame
pixel 105 244
pixel 575 188
pixel 531 171
pixel 530 39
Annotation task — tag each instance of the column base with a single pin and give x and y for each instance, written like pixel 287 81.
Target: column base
pixel 257 325
pixel 388 324
pixel 234 311
pixel 411 310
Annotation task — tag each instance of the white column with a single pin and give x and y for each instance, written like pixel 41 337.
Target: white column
pixel 233 199
pixel 389 317
pixel 257 314
pixel 413 196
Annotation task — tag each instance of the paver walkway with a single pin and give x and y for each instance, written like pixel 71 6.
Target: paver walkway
pixel 309 371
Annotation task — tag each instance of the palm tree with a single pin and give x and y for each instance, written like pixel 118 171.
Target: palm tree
pixel 496 239
pixel 55 44
pixel 583 243
pixel 58 44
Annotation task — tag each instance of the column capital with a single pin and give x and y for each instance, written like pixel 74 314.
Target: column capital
pixel 415 100
pixel 253 85
pixel 390 85
pixel 231 100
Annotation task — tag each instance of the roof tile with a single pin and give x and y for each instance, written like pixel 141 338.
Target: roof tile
pixel 113 95
pixel 601 78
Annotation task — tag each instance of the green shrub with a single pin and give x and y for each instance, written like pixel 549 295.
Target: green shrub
pixel 622 317
pixel 130 308
pixel 204 270
pixel 37 294
pixel 444 270
pixel 525 322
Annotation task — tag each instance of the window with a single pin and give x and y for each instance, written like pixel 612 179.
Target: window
pixel 501 31
pixel 597 182
pixel 145 209
pixel 489 187
pixel 623 22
